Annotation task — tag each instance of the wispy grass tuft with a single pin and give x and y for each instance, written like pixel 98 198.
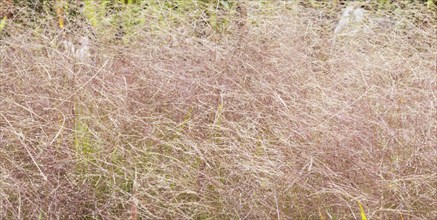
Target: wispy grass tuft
pixel 218 110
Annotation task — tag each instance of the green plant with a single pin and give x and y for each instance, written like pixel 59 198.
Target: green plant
pixel 362 212
pixel 3 23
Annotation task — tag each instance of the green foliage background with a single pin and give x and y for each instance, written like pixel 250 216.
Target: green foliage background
pixel 129 16
pixel 125 19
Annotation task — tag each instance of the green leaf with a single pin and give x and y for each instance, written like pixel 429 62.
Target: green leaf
pixel 363 214
pixel 430 4
pixel 90 12
pixel 225 4
pixel 3 23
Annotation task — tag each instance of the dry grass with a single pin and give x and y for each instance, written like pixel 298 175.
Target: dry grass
pixel 278 118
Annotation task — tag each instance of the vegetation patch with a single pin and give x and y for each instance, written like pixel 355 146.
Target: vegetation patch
pixel 218 109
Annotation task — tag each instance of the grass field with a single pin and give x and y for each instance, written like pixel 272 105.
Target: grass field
pixel 196 109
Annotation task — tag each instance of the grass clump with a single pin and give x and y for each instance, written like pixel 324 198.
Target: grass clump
pixel 217 110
